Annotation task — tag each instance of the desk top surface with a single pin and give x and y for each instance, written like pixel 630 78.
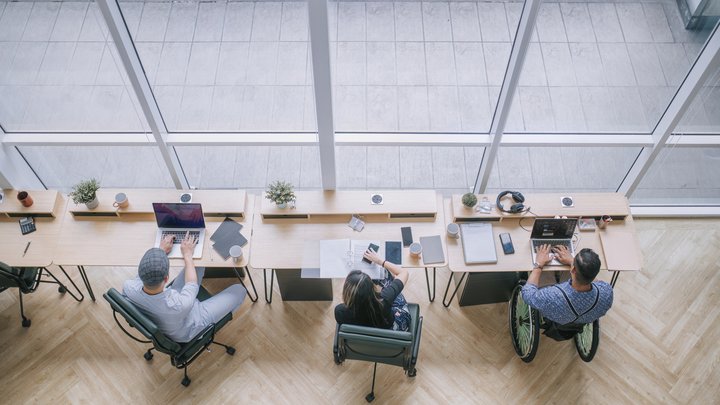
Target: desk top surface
pixel 42 242
pixel 295 243
pixel 522 258
pixel 122 240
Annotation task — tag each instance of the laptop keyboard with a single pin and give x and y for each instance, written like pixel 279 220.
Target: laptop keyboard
pixel 551 242
pixel 180 235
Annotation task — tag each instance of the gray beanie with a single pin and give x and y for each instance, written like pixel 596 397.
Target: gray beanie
pixel 154 267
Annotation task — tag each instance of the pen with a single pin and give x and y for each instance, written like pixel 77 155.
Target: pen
pixel 26 248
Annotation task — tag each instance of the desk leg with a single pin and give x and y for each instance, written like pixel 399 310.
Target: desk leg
pixel 86 280
pixel 268 297
pixel 252 283
pixel 614 278
pixel 447 304
pixel 82 296
pixel 431 297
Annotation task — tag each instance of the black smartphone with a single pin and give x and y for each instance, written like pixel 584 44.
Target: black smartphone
pixel 372 247
pixel 507 244
pixel 406 236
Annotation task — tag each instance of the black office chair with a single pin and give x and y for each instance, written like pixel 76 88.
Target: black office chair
pixel 526 323
pixel 181 354
pixel 384 346
pixel 27 280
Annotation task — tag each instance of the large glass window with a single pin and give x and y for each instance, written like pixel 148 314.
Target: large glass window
pixel 226 65
pixel 417 66
pixel 60 72
pixel 60 167
pixel 603 66
pixel 561 169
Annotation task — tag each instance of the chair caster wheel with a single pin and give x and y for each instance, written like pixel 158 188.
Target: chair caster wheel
pixel 185 382
pixel 62 290
pixel 26 323
pixel 370 397
pixel 412 373
pixel 148 355
pixel 230 350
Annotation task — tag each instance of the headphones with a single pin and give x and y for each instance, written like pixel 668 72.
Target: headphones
pixel 518 200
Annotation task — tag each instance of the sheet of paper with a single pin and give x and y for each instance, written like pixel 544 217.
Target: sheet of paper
pixel 358 248
pixel 334 258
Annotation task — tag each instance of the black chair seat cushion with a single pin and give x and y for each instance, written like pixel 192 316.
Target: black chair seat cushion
pixel 21 277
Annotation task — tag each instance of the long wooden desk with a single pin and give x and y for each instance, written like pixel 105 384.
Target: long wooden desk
pixel 287 240
pixel 107 236
pixel 484 283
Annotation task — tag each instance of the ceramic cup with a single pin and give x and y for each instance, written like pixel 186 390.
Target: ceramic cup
pixel 236 252
pixel 415 249
pixel 604 220
pixel 453 230
pixel 25 199
pixel 121 201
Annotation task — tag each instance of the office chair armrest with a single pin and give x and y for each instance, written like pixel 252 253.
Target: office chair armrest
pixel 335 338
pixel 416 343
pixel 200 340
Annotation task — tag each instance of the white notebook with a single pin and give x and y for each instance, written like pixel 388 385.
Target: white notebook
pixel 478 243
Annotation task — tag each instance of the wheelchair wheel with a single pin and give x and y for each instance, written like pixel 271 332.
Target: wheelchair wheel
pixel 586 342
pixel 524 326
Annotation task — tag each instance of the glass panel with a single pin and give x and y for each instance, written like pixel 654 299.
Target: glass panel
pixel 226 65
pixel 419 66
pixel 59 71
pixel 60 167
pixel 561 169
pixel 681 176
pixel 447 169
pixel 704 112
pixel 250 167
pixel 603 66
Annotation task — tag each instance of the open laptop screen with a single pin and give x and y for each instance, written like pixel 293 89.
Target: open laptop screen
pixel 179 215
pixel 553 228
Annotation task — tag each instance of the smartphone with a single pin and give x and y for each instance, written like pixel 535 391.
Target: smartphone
pixel 406 236
pixel 372 247
pixel 506 243
pixel 393 252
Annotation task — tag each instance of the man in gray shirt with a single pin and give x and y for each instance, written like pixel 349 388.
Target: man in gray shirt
pixel 579 300
pixel 176 309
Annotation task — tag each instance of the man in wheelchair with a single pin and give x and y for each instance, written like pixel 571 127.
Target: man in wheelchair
pixel 566 307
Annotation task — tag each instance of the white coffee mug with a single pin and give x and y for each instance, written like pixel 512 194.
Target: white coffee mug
pixel 236 252
pixel 121 201
pixel 453 230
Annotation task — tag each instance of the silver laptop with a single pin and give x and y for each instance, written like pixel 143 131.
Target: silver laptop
pixel 177 219
pixel 478 243
pixel 553 232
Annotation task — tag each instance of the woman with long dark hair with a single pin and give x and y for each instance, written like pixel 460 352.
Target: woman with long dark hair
pixel 377 304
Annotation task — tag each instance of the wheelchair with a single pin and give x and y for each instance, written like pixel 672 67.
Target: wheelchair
pixel 526 323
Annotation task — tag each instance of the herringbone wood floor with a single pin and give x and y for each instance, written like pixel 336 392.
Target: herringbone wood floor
pixel 658 345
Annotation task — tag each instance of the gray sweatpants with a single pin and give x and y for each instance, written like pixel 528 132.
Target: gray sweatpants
pixel 216 307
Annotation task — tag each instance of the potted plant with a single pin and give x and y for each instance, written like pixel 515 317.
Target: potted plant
pixel 469 200
pixel 280 192
pixel 85 193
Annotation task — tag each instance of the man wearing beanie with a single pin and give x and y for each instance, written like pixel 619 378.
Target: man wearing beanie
pixel 176 309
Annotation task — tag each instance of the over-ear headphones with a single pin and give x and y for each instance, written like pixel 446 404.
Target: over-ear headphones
pixel 518 200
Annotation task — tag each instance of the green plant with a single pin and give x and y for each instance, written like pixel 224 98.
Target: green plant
pixel 280 192
pixel 84 192
pixel 469 200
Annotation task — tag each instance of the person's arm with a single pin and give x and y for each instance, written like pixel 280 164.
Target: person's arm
pixel 166 243
pixel 187 247
pixel 397 271
pixel 541 259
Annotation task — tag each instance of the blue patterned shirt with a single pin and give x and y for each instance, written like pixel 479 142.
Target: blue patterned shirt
pixel 552 304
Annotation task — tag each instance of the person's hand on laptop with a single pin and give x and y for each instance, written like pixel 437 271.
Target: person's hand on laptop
pixel 542 257
pixel 187 247
pixel 166 243
pixel 563 255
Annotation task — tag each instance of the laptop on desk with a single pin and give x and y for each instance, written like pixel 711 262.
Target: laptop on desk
pixel 553 232
pixel 177 219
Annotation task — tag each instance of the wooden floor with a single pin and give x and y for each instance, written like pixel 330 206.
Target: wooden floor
pixel 659 344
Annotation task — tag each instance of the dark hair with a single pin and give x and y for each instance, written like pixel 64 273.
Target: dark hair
pixel 360 297
pixel 587 264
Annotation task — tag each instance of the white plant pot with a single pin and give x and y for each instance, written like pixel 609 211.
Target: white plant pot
pixel 282 205
pixel 93 204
